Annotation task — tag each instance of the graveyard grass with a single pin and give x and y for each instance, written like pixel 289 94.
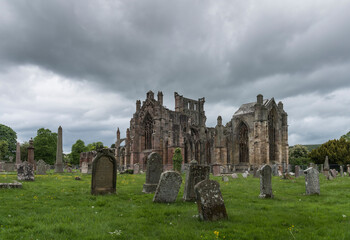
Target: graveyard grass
pixel 56 206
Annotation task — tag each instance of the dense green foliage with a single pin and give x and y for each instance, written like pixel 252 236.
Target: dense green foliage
pixel 59 207
pixel 177 160
pixel 24 151
pixel 77 148
pixel 45 144
pixel 4 149
pixel 346 137
pixel 338 152
pixel 10 136
pixel 312 147
pixel 298 155
pixel 94 146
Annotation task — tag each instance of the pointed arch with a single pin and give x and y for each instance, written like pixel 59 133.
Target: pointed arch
pixel 272 118
pixel 243 142
pixel 148 130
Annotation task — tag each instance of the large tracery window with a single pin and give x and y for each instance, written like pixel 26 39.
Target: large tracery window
pixel 148 124
pixel 243 143
pixel 272 135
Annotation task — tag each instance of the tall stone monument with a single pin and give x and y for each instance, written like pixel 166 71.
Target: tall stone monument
pixel 59 153
pixel 312 182
pixel 265 182
pixel 104 173
pixel 153 172
pixel 18 154
pixel 31 153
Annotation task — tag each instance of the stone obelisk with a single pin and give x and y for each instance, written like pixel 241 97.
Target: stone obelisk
pixel 31 152
pixel 59 153
pixel 18 154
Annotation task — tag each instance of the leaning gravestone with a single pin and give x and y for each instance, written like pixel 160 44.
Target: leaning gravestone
pixel 25 172
pixel 104 173
pixel 153 172
pixel 333 173
pixel 195 174
pixel 265 182
pixel 312 183
pixel 41 167
pixel 210 202
pixel 168 187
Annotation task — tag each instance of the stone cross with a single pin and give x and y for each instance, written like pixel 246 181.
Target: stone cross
pixel 168 187
pixel 59 153
pixel 104 172
pixel 25 172
pixel 18 154
pixel 153 172
pixel 210 202
pixel 265 182
pixel 312 183
pixel 195 174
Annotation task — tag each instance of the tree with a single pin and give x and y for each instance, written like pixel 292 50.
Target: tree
pixel 298 155
pixel 94 146
pixel 24 151
pixel 338 152
pixel 10 136
pixel 177 160
pixel 45 144
pixel 346 137
pixel 77 148
pixel 4 149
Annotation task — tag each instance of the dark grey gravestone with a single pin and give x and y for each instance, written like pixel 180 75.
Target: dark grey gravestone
pixel 41 167
pixel 168 187
pixel 25 172
pixel 153 172
pixel 265 182
pixel 195 174
pixel 210 202
pixel 297 171
pixel 312 183
pixel 104 173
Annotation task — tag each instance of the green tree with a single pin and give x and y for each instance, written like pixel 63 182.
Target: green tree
pixel 94 146
pixel 4 149
pixel 24 151
pixel 177 160
pixel 10 136
pixel 77 148
pixel 346 137
pixel 338 152
pixel 298 155
pixel 45 144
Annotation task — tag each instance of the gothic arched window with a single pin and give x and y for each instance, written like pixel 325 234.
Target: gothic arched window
pixel 272 134
pixel 243 143
pixel 148 127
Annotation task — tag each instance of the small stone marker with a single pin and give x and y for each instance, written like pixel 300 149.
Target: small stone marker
pixel 136 168
pixel 326 167
pixel 210 202
pixel 195 174
pixel 244 175
pixel 256 172
pixel 168 187
pixel 216 169
pixel 41 167
pixel 312 183
pixel 329 177
pixel 104 173
pixel 153 172
pixel 234 175
pixel 25 172
pixel 333 172
pixel 225 179
pixel 265 182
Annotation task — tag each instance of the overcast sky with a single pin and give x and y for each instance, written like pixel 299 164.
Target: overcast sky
pixel 82 64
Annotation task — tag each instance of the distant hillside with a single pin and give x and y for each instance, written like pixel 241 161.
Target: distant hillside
pixel 310 147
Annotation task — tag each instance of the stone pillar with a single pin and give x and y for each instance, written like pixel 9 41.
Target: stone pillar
pixel 59 153
pixel 326 167
pixel 18 154
pixel 31 152
pixel 297 171
pixel 216 169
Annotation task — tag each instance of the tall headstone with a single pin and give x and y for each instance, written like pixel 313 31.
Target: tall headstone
pixel 326 167
pixel 31 152
pixel 59 153
pixel 209 200
pixel 297 171
pixel 153 172
pixel 168 187
pixel 341 171
pixel 195 174
pixel 84 167
pixel 104 172
pixel 265 182
pixel 41 167
pixel 312 183
pixel 25 172
pixel 18 154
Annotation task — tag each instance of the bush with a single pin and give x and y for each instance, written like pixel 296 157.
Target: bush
pixel 177 160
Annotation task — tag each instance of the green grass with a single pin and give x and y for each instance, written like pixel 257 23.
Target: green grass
pixel 59 207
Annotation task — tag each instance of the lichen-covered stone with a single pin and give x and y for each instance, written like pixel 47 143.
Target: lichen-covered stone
pixel 210 202
pixel 25 172
pixel 195 174
pixel 168 187
pixel 265 182
pixel 312 183
pixel 41 167
pixel 154 170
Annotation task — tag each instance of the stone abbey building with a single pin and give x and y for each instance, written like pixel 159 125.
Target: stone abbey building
pixel 256 134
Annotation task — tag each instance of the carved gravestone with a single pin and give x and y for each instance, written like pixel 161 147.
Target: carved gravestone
pixel 25 172
pixel 312 183
pixel 245 175
pixel 104 173
pixel 84 167
pixel 41 167
pixel 168 187
pixel 265 182
pixel 210 202
pixel 195 174
pixel 153 172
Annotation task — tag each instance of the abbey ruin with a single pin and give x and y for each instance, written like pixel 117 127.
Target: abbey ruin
pixel 256 134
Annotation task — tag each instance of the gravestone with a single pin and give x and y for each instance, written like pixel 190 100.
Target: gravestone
pixel 234 175
pixel 153 172
pixel 225 179
pixel 210 202
pixel 297 171
pixel 168 187
pixel 84 167
pixel 89 171
pixel 136 168
pixel 265 182
pixel 25 172
pixel 41 167
pixel 329 177
pixel 312 183
pixel 245 175
pixel 326 167
pixel 256 172
pixel 333 172
pixel 321 167
pixel 216 169
pixel 2 166
pixel 69 169
pixel 274 170
pixel 348 169
pixel 195 174
pixel 341 171
pixel 9 167
pixel 104 172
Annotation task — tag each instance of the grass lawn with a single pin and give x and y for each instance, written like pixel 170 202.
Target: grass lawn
pixel 59 207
